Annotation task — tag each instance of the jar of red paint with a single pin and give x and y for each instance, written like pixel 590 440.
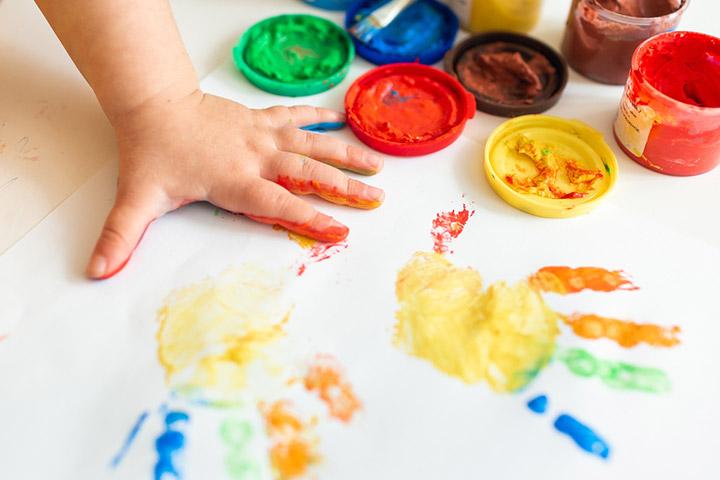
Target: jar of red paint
pixel 669 118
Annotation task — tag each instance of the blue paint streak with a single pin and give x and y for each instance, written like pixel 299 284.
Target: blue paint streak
pixel 169 444
pixel 419 28
pixel 323 127
pixel 583 436
pixel 538 404
pixel 129 440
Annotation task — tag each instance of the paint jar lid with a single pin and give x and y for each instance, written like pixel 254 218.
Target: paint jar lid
pixel 548 166
pixel 423 33
pixel 509 74
pixel 408 109
pixel 338 5
pixel 294 55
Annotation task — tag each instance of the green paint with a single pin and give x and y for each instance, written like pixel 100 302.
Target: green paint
pixel 546 151
pixel 296 48
pixel 607 168
pixel 619 375
pixel 216 212
pixel 237 435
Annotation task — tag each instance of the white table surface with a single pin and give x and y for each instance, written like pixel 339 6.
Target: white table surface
pixel 55 136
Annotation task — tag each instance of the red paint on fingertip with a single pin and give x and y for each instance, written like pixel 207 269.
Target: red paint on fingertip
pixel 332 234
pixel 327 192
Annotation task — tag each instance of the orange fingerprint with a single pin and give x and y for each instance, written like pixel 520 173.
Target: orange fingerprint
pixel 626 334
pixel 293 444
pixel 566 280
pixel 326 192
pixel 325 378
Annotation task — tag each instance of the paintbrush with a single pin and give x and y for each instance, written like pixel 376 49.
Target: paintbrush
pixel 371 25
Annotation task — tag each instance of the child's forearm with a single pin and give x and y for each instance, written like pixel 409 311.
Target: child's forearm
pixel 116 44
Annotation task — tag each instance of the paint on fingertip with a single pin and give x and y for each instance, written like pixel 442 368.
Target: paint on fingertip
pixel 324 127
pixel 538 404
pixel 583 436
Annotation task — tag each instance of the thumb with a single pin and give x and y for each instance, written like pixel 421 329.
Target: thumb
pixel 123 230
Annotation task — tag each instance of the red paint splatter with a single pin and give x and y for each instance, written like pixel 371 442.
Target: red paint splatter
pixel 448 226
pixel 319 253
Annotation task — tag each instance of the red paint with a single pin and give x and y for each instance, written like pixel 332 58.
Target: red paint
pixel 447 226
pixel 332 234
pixel 408 109
pixel 125 262
pixel 677 75
pixel 327 192
pixel 319 253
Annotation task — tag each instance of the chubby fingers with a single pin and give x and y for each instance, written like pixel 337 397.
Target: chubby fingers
pixel 329 150
pixel 269 203
pixel 304 176
pixel 122 232
pixel 302 116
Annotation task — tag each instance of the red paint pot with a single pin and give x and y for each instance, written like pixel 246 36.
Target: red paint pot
pixel 408 109
pixel 669 118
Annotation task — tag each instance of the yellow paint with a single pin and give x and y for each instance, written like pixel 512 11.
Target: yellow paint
pixel 212 332
pixel 548 166
pixel 304 242
pixel 492 15
pixel 503 335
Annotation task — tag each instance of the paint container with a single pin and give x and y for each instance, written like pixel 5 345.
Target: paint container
pixel 549 166
pixel 408 109
pixel 423 33
pixel 337 5
pixel 669 118
pixel 509 74
pixel 294 55
pixel 490 15
pixel 601 35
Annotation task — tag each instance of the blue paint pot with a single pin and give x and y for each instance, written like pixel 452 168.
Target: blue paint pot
pixel 423 33
pixel 339 5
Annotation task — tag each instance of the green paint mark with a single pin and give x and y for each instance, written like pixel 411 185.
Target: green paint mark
pixel 607 168
pixel 619 375
pixel 546 151
pixel 216 212
pixel 296 48
pixel 237 435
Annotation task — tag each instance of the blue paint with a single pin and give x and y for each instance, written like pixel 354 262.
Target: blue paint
pixel 129 440
pixel 583 436
pixel 169 445
pixel 538 404
pixel 324 127
pixel 423 32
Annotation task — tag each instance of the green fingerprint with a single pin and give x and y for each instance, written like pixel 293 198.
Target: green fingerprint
pixel 619 375
pixel 237 435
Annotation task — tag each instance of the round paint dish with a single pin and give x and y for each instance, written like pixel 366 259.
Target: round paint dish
pixel 408 109
pixel 294 55
pixel 337 5
pixel 423 33
pixel 509 74
pixel 549 166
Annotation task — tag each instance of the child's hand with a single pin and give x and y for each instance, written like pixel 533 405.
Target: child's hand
pixel 206 148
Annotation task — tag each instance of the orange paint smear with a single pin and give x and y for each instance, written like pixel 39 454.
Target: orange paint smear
pixel 328 235
pixel 326 192
pixel 566 280
pixel 447 226
pixel 293 444
pixel 325 378
pixel 624 333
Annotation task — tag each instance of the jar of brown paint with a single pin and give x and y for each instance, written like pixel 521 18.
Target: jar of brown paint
pixel 601 35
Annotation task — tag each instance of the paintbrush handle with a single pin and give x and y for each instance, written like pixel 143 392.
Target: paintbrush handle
pixel 387 13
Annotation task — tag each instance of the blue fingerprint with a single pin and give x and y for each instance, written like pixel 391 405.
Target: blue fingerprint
pixel 129 440
pixel 324 127
pixel 538 404
pixel 583 436
pixel 169 445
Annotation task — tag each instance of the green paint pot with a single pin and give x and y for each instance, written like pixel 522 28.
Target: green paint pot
pixel 294 55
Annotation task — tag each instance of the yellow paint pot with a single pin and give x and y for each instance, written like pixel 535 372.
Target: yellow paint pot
pixel 548 166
